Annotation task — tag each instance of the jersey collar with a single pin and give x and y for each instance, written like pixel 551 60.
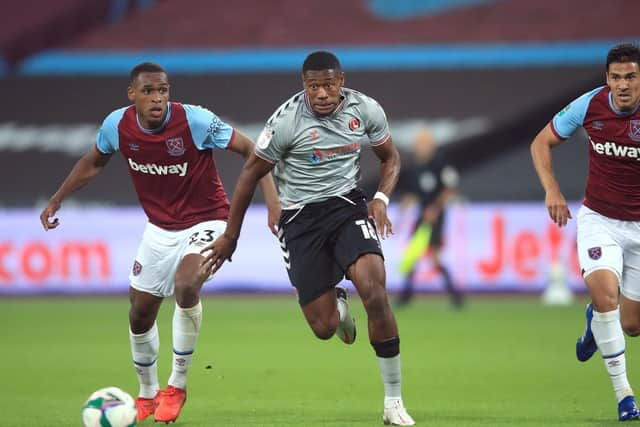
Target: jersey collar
pixel 621 113
pixel 340 107
pixel 159 128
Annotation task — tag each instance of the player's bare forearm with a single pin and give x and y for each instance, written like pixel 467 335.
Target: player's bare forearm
pixel 542 160
pixel 541 155
pixel 253 171
pixel 83 171
pixel 272 200
pixel 245 147
pixel 389 173
pixel 216 253
pixel 389 166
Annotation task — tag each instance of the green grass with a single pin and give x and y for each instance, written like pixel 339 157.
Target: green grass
pixel 499 362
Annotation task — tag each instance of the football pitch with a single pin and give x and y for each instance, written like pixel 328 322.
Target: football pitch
pixel 498 362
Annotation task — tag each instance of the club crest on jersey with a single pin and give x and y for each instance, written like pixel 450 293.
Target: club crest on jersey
pixel 595 252
pixel 634 130
pixel 175 146
pixel 137 268
pixel 354 124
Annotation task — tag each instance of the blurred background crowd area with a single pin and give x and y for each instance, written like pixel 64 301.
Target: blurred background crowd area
pixel 482 76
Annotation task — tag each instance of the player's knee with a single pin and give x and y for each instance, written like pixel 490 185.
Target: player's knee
pixel 631 328
pixel 187 290
pixel 187 296
pixel 324 328
pixel 605 303
pixel 140 320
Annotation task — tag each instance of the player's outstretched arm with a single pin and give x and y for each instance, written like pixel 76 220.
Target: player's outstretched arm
pixel 389 172
pixel 223 247
pixel 83 171
pixel 541 154
pixel 244 146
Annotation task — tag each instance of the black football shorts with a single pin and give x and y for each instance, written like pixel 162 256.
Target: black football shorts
pixel 320 241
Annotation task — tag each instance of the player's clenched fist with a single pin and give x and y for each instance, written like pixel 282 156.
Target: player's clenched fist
pixel 47 213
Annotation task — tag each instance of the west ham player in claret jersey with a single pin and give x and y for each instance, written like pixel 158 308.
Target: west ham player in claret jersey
pixel 609 218
pixel 327 230
pixel 168 149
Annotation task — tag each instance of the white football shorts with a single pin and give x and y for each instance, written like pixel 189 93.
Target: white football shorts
pixel 610 244
pixel 161 251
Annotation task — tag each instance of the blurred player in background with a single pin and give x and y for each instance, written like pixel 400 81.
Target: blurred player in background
pixel 168 148
pixel 609 218
pixel 327 231
pixel 432 182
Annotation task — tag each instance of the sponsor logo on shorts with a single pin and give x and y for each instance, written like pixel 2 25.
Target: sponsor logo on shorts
pixel 137 268
pixel 595 252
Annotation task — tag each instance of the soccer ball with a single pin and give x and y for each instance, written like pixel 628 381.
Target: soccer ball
pixel 109 407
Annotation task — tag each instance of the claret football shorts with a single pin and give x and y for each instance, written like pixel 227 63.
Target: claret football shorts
pixel 161 251
pixel 611 244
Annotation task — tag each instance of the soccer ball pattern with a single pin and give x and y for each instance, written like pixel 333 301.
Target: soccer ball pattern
pixel 109 407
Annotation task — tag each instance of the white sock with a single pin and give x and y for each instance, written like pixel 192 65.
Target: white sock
pixel 609 336
pixel 391 377
pixel 144 349
pixel 186 328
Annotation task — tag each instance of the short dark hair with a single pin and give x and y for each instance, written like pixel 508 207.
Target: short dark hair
pixel 625 52
pixel 321 60
pixel 146 67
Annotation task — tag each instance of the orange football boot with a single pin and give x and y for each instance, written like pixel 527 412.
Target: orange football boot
pixel 170 403
pixel 146 407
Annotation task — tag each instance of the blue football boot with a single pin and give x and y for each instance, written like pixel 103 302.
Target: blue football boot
pixel 627 409
pixel 586 345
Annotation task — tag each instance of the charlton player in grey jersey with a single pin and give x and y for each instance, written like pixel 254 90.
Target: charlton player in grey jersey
pixel 327 230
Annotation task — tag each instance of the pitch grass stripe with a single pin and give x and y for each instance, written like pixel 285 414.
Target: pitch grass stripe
pixel 499 362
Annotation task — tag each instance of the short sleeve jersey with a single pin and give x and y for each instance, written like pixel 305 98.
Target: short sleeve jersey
pixel 172 167
pixel 318 157
pixel 613 182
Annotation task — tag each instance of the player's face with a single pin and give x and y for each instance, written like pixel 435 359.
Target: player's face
pixel 324 89
pixel 624 80
pixel 150 94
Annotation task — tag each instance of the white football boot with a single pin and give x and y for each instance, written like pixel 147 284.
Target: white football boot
pixel 347 327
pixel 395 414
